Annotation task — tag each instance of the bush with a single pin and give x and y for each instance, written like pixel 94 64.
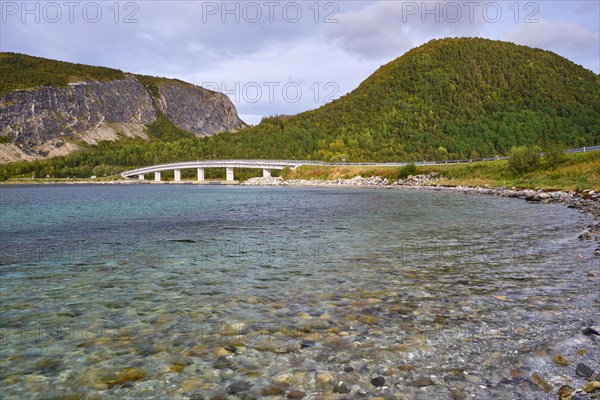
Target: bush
pixel 523 159
pixel 410 169
pixel 554 155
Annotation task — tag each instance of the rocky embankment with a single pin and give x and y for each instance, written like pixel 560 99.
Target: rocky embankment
pixel 49 121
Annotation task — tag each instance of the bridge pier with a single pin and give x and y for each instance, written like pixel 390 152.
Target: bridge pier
pixel 157 176
pixel 229 174
pixel 200 174
pixel 177 174
pixel 141 177
pixel 266 173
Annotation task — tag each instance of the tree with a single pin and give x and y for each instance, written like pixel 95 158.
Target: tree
pixel 523 159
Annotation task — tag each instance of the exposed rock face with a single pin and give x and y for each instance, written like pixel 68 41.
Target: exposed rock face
pixel 45 122
pixel 200 111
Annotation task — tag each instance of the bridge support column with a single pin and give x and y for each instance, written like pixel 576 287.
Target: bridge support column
pixel 177 174
pixel 141 177
pixel 200 174
pixel 157 176
pixel 229 174
pixel 266 173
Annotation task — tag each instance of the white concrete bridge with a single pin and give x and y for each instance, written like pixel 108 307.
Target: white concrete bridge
pixel 267 167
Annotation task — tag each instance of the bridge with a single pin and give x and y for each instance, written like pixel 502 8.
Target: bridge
pixel 268 166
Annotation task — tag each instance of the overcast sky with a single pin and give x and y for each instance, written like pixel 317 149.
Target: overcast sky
pixel 283 57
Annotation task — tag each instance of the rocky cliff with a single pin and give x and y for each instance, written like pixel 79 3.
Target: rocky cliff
pixel 49 121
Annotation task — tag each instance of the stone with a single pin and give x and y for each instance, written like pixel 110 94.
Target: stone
pixel 191 384
pixel 560 360
pixel 295 394
pixel 238 387
pixel 592 386
pixel 378 381
pixel 584 371
pixel 566 392
pixel 590 331
pixel 341 388
pixel 222 363
pixel 348 369
pixel 422 382
pixel 284 379
pixel 221 352
pixel 273 390
pixel 544 196
pixel 324 381
pixel 540 382
pixel 406 368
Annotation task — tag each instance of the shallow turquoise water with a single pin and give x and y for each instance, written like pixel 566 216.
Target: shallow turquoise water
pixel 95 279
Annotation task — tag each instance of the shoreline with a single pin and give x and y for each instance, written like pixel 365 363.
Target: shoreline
pixel 587 200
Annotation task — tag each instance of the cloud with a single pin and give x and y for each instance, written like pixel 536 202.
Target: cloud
pixel 562 36
pixel 385 29
pixel 566 38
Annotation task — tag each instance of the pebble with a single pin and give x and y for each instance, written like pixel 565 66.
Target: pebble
pixel 378 381
pixel 560 360
pixel 238 387
pixel 566 392
pixel 295 394
pixel 592 386
pixel 324 381
pixel 222 363
pixel 273 390
pixel 422 382
pixel 341 388
pixel 584 371
pixel 540 382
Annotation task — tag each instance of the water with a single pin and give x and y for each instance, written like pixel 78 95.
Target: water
pixel 198 287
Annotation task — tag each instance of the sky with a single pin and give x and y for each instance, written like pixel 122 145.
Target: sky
pixel 283 57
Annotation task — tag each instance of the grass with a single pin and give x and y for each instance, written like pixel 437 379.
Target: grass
pixel 576 172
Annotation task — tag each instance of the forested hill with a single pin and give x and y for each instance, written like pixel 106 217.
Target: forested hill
pixel 460 98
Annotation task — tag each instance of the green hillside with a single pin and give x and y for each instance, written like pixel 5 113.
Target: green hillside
pixel 460 98
pixel 20 71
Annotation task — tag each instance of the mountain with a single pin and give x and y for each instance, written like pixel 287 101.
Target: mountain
pixel 457 98
pixel 447 99
pixel 48 107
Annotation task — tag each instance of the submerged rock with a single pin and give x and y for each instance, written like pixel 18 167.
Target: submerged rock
pixel 378 381
pixel 560 360
pixel 540 382
pixel 238 387
pixel 584 371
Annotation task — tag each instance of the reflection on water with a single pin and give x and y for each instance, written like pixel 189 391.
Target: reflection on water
pixel 186 291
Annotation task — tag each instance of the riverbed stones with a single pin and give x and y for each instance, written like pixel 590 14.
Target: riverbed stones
pixel 130 375
pixel 378 381
pixel 566 392
pixel 584 371
pixel 422 381
pixel 540 382
pixel 237 387
pixel 273 390
pixel 341 387
pixel 560 360
pixel 592 386
pixel 324 381
pixel 295 394
pixel 222 363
